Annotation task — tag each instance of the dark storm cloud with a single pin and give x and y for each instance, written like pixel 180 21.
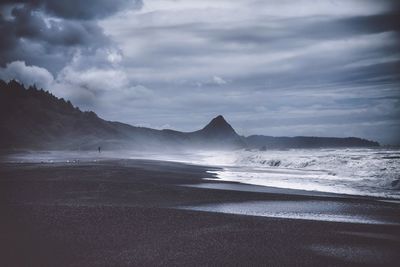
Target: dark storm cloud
pixel 375 23
pixel 47 33
pixel 48 44
pixel 301 28
pixel 31 25
pixel 78 9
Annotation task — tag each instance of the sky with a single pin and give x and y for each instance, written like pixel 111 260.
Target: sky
pixel 271 67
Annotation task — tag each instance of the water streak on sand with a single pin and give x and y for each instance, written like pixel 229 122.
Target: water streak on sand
pixel 328 211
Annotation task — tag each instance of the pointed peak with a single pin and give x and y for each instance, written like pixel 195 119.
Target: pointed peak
pixel 218 126
pixel 218 122
pixel 219 118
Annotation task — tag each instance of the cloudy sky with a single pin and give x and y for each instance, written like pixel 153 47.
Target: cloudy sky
pixel 273 67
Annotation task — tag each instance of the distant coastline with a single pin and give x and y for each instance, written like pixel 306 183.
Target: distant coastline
pixel 32 118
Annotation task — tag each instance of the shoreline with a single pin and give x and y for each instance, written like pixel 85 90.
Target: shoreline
pixel 314 181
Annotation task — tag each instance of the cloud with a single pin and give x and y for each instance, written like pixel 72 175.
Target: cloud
pixel 28 75
pixel 94 79
pixel 48 33
pixel 218 80
pixel 26 23
pixel 76 9
pixel 104 88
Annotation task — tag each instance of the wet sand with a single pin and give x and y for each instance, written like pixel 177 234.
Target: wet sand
pixel 143 213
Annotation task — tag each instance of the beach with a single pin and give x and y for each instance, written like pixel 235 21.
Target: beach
pixel 136 212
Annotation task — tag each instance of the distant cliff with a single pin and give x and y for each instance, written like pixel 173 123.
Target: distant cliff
pixel 270 142
pixel 35 119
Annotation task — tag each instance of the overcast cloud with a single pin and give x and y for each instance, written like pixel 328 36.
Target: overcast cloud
pixel 308 67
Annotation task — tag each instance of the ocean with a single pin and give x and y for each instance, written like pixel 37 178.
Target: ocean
pixel 356 171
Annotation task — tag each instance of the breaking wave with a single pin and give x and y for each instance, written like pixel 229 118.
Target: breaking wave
pixel 368 172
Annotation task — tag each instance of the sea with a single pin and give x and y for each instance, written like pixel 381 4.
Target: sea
pixel 361 171
pixel 371 172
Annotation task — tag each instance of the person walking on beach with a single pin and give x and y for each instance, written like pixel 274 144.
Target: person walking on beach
pixel 99 148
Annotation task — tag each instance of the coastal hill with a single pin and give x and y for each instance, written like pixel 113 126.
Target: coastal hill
pixel 218 131
pixel 32 118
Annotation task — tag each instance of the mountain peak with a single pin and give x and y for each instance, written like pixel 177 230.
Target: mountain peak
pixel 219 126
pixel 219 119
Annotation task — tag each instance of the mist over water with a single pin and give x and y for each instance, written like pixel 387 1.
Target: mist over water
pixel 365 172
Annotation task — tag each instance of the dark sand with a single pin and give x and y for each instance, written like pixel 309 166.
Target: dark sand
pixel 123 213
